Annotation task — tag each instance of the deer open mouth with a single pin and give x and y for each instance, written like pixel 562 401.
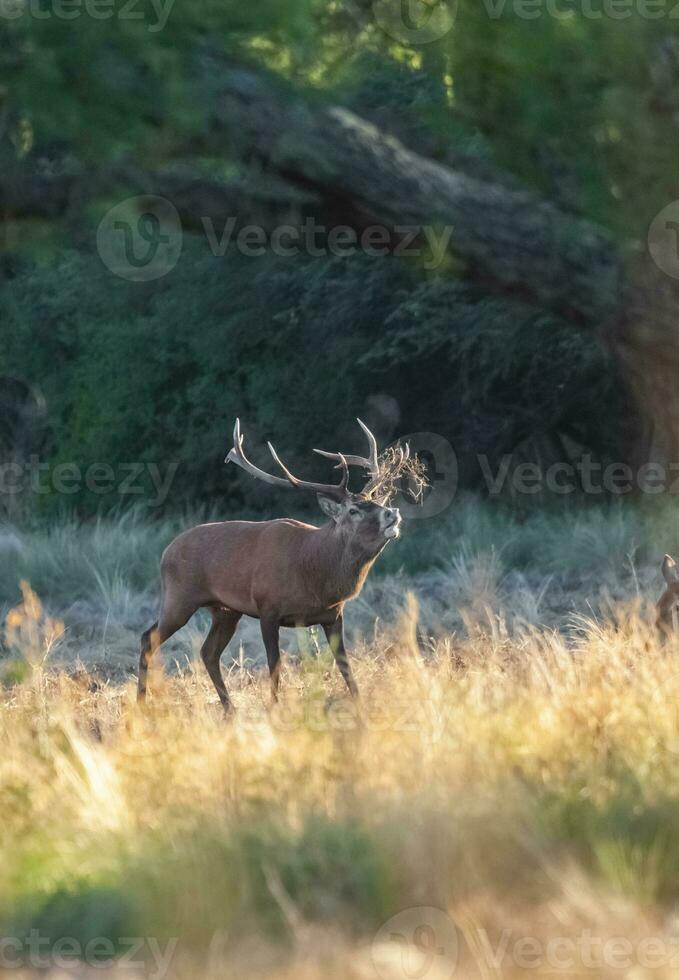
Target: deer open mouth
pixel 393 529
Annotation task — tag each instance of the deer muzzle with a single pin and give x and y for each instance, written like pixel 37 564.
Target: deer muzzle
pixel 391 522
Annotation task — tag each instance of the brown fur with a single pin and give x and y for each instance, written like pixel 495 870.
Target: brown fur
pixel 301 571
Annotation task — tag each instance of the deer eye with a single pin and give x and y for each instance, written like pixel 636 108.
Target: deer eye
pixel 353 511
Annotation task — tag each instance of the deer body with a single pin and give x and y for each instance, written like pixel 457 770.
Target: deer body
pixel 283 572
pixel 306 573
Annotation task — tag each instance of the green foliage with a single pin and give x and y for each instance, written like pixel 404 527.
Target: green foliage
pixel 91 915
pixel 14 672
pixel 629 840
pixel 226 877
pixel 155 375
pixel 496 370
pixel 134 78
pixel 130 378
pixel 576 106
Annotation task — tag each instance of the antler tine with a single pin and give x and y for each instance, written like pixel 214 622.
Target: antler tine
pixel 344 483
pixel 331 489
pixel 237 456
pixel 348 458
pixel 369 463
pixel 289 476
pixel 372 443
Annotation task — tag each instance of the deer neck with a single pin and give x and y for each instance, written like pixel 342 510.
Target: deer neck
pixel 338 566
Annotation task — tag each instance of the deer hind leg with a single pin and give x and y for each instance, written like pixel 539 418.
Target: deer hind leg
pixel 149 645
pixel 223 627
pixel 154 637
pixel 270 625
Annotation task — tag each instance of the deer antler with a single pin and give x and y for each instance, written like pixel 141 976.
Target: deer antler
pixel 381 476
pixel 337 491
pixel 369 463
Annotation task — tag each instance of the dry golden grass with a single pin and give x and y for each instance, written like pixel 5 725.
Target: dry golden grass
pixel 523 783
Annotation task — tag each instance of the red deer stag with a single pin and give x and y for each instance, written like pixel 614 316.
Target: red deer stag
pixel 283 572
pixel 667 607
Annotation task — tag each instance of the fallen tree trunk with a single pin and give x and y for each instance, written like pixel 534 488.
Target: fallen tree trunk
pixel 332 164
pixel 509 239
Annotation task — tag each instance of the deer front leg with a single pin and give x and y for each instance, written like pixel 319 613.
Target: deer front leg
pixel 335 637
pixel 270 626
pixel 224 625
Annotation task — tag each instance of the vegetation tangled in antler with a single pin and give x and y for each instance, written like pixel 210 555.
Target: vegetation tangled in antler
pixel 399 472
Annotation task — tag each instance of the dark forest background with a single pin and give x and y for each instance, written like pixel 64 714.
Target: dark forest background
pixel 547 144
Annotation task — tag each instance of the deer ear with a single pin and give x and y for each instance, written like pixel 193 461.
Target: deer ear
pixel 670 570
pixel 331 508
